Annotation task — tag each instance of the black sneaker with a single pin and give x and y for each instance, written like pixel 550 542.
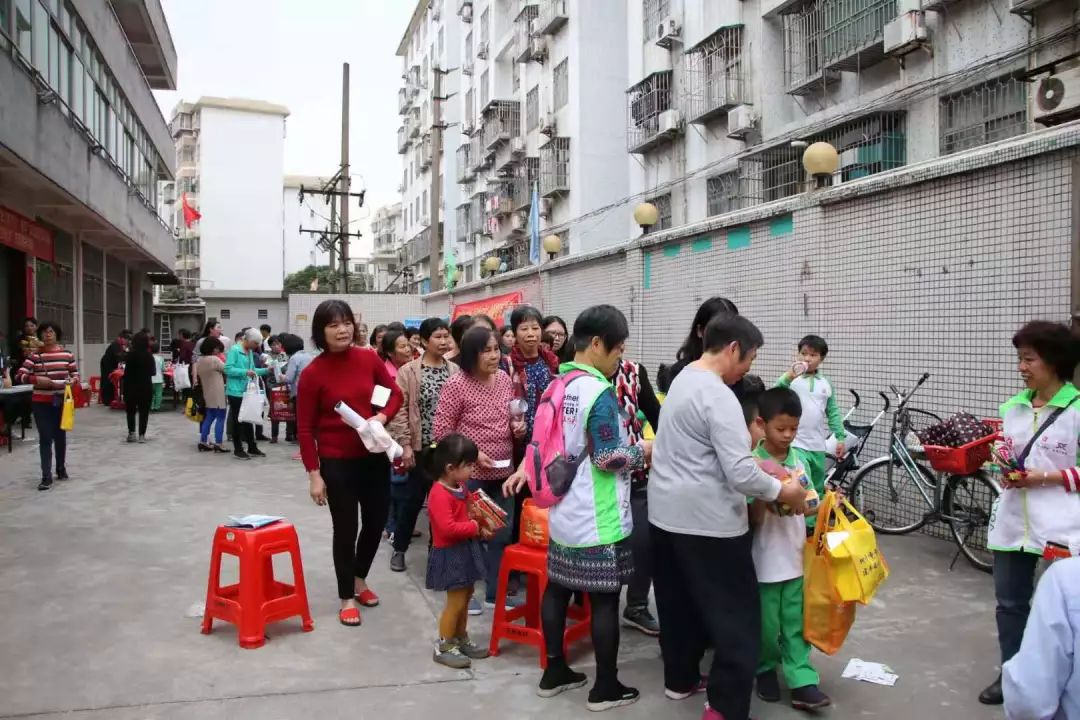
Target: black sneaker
pixel 601 699
pixel 809 698
pixel 61 474
pixel 46 483
pixel 558 678
pixel 397 562
pixel 256 452
pixel 205 447
pixel 241 455
pixel 641 620
pixel 768 686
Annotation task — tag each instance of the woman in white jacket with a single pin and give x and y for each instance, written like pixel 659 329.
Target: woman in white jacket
pixel 1040 503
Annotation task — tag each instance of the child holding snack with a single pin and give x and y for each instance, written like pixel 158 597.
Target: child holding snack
pixel 455 562
pixel 778 558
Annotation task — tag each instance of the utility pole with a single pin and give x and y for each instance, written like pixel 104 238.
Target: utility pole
pixel 333 247
pixel 345 176
pixel 435 258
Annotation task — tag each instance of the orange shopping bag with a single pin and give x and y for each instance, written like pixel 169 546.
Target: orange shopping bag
pixel 534 525
pixel 826 618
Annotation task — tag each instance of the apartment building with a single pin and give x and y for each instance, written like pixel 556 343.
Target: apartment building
pixel 429 46
pixel 388 232
pixel 541 103
pixel 83 146
pixel 724 96
pixel 230 166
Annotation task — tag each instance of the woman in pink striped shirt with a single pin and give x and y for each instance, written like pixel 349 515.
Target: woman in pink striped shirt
pixel 50 368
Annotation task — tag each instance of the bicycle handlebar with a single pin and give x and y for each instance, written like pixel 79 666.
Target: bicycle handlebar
pixel 904 398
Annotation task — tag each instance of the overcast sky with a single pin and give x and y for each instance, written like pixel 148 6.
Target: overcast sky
pixel 290 52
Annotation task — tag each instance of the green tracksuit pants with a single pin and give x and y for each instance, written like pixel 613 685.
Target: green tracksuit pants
pixel 782 641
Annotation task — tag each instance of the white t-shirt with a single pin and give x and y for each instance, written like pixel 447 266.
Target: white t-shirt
pixel 778 541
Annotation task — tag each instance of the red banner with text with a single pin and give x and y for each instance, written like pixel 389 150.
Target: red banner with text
pixel 494 307
pixel 25 235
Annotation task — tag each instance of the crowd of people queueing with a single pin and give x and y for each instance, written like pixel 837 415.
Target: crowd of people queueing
pixel 701 514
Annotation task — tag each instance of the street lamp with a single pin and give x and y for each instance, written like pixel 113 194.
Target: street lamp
pixel 646 215
pixel 821 160
pixel 552 246
pixel 491 264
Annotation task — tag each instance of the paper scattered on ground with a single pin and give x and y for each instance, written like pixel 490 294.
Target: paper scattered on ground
pixel 870 672
pixel 196 610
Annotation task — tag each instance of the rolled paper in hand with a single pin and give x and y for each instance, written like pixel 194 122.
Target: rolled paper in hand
pixel 349 416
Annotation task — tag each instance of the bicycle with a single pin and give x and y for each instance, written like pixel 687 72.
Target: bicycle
pixel 954 489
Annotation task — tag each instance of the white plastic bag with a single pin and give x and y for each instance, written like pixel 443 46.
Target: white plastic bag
pixel 253 404
pixel 181 377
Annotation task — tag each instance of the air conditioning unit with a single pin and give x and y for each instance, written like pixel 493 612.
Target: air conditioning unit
pixel 482 50
pixel 667 32
pixel 905 33
pixel 1023 6
pixel 740 122
pixel 545 208
pixel 517 146
pixel 670 121
pixel 547 125
pixel 538 48
pixel 1057 97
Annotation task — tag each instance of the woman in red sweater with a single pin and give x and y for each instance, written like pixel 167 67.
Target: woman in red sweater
pixel 49 368
pixel 340 469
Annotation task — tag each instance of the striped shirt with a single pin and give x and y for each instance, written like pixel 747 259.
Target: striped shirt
pixel 57 365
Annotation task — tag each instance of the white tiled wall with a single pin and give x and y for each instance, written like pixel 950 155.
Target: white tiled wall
pixel 370 308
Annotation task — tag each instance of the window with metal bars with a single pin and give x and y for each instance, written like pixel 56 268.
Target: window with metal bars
pixel 93 284
pixel 470 111
pixel 714 74
pixel 515 72
pixel 485 27
pixel 868 145
pixel 485 89
pixel 722 193
pixel 646 102
pixel 983 114
pixel 555 167
pixel 654 11
pixel 528 174
pixel 54 285
pixel 560 84
pixel 532 109
pixel 823 37
pixel 663 211
pixel 464 224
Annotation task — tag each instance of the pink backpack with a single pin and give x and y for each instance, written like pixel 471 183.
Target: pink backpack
pixel 549 471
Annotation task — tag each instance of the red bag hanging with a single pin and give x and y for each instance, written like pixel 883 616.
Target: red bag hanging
pixel 281 409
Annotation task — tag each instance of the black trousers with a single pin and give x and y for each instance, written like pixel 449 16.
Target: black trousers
pixel 240 433
pixel 707 593
pixel 637 590
pixel 357 481
pixel 1014 585
pixel 137 400
pixel 407 512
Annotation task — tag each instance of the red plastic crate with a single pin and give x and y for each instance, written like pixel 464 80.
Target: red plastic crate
pixel 963 460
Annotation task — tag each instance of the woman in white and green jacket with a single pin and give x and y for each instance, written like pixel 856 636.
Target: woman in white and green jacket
pixel 589 549
pixel 1040 503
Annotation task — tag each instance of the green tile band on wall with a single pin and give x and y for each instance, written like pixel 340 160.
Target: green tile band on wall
pixel 738 238
pixel 783 225
pixel 701 244
pixel 646 279
pixel 672 250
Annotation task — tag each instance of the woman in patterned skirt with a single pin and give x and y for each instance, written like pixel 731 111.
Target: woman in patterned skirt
pixel 590 527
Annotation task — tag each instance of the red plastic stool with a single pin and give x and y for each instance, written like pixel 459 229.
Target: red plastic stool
pixel 532 563
pixel 257 599
pixel 95 389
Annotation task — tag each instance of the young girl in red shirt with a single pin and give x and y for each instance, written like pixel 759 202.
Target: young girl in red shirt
pixel 455 562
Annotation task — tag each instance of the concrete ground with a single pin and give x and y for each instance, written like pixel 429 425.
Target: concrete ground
pixel 98 578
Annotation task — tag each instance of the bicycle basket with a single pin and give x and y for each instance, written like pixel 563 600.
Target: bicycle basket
pixel 963 460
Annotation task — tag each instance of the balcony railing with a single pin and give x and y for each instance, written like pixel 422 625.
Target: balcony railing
pixel 465 172
pixel 823 37
pixel 528 174
pixel 419 248
pixel 478 214
pixel 464 223
pixel 552 16
pixel 523 32
pixel 425 151
pixel 714 75
pixel 404 99
pixel 414 122
pixel 502 121
pixel 403 139
pixel 653 118
pixel 479 157
pixel 555 167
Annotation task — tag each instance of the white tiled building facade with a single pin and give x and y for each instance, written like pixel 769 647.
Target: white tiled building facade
pixel 704 106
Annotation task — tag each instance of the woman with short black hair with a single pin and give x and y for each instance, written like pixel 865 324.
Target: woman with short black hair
pixel 50 368
pixel 1040 501
pixel 341 471
pixel 139 370
pixel 693 347
pixel 476 403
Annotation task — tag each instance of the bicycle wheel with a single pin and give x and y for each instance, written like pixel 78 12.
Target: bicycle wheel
pixel 967 503
pixel 892 508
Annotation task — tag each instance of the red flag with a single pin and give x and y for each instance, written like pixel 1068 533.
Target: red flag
pixel 190 213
